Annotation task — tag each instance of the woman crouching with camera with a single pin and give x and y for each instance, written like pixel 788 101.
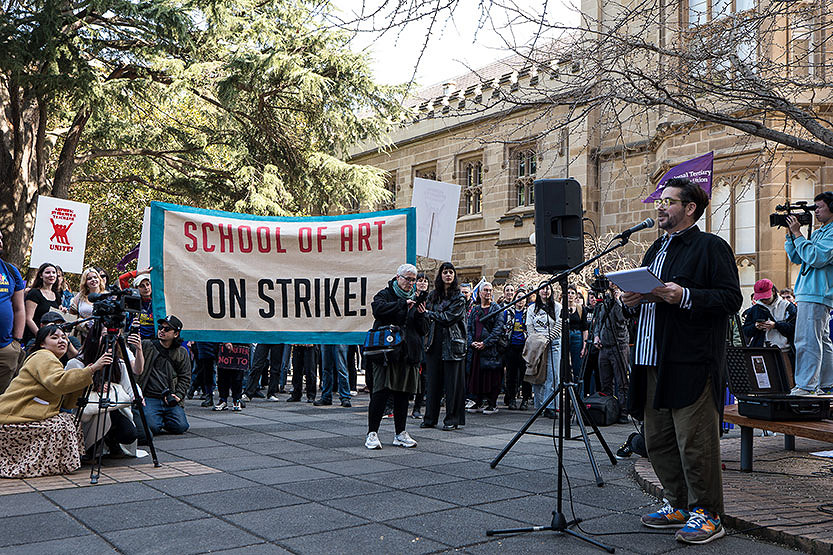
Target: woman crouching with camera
pixel 38 436
pixel 396 373
pixel 114 425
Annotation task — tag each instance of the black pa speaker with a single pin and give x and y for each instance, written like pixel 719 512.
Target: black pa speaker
pixel 559 241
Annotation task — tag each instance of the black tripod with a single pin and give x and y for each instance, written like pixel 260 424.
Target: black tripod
pixel 112 340
pixel 566 392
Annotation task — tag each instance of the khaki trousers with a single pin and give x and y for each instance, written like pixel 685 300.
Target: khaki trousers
pixel 9 361
pixel 684 448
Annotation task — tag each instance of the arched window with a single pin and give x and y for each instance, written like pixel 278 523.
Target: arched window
pixel 472 173
pixel 525 165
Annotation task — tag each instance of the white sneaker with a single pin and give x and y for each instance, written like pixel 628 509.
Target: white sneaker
pixel 273 398
pixel 490 410
pixel 404 440
pixel 470 403
pixel 245 398
pixel 222 405
pixel 372 441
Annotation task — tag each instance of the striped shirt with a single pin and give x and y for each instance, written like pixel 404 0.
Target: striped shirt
pixel 646 348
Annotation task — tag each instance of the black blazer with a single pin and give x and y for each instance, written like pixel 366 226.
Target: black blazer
pixel 691 343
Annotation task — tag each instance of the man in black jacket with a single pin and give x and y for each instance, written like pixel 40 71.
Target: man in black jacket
pixel 164 380
pixel 680 350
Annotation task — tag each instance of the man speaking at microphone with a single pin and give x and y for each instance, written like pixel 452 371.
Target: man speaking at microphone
pixel 680 351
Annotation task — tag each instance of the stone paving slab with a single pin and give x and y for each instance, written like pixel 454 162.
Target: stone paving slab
pixel 293 478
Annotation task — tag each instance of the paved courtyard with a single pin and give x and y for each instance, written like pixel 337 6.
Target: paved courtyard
pixel 293 478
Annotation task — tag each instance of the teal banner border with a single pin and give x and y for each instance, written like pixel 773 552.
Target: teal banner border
pixel 157 277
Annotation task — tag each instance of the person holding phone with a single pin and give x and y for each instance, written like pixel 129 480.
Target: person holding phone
pixel 771 320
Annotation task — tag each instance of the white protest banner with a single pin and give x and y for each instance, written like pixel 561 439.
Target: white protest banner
pixel 241 278
pixel 60 236
pixel 436 206
pixel 144 243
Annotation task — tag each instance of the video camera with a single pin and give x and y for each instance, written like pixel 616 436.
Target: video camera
pixel 111 306
pixel 799 209
pixel 600 284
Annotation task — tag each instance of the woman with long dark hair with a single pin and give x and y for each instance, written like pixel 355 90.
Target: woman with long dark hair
pixel 542 317
pixel 445 351
pixel 116 428
pixel 38 436
pixel 422 285
pixel 41 298
pixel 579 330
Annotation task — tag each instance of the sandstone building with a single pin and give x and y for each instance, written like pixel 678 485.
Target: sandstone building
pixel 492 133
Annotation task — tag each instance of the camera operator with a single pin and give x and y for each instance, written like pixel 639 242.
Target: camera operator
pixel 814 296
pixel 165 380
pixel 610 336
pixel 771 320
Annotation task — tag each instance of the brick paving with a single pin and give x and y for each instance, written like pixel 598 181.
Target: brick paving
pixel 293 478
pixel 779 500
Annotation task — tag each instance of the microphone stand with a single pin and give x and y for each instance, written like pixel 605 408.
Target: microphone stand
pixel 566 392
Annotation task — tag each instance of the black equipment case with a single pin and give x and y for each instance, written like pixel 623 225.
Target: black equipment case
pixel 759 380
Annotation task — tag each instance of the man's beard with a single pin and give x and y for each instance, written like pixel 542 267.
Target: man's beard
pixel 669 222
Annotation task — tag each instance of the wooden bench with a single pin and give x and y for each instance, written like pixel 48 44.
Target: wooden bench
pixel 821 430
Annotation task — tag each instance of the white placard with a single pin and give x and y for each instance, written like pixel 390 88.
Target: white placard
pixel 144 243
pixel 436 206
pixel 60 234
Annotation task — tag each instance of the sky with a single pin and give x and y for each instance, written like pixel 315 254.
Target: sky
pixel 464 41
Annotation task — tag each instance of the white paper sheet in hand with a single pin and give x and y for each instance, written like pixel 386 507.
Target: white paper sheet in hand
pixel 638 280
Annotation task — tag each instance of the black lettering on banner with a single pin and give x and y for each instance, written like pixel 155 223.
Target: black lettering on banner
pixel 348 296
pixel 363 311
pixel 262 285
pixel 317 288
pixel 237 296
pixel 220 310
pixel 302 299
pixel 284 283
pixel 330 297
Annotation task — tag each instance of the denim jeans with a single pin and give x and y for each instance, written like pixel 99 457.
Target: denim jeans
pixel 160 417
pixel 334 361
pixel 814 350
pixel 543 390
pixel 576 343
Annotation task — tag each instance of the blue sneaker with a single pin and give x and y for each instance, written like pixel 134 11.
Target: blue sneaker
pixel 702 527
pixel 666 517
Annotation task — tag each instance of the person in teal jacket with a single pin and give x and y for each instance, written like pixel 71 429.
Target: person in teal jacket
pixel 814 296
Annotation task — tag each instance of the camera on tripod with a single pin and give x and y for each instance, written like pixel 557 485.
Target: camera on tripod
pixel 798 209
pixel 111 306
pixel 600 284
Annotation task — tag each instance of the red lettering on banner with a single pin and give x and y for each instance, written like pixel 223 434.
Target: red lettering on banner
pixel 364 235
pixel 226 237
pixel 244 234
pixel 379 225
pixel 308 232
pixel 347 237
pixel 321 236
pixel 189 227
pixel 264 242
pixel 278 240
pixel 205 246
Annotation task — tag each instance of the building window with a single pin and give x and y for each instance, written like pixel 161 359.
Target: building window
pixel 525 166
pixel 426 172
pixel 804 48
pixel 733 213
pixel 472 173
pixel 701 12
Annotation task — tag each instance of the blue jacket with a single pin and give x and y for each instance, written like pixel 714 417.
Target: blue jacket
pixel 815 282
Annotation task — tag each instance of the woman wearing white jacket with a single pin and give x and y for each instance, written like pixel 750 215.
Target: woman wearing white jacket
pixel 543 318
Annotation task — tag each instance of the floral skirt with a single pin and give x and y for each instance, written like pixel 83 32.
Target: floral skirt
pixel 43 448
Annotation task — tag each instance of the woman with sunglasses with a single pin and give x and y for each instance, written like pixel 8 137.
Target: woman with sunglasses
pixel 38 436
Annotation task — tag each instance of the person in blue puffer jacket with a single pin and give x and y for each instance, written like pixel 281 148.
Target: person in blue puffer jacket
pixel 814 296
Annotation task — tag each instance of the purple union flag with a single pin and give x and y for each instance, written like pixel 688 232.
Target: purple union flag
pixel 697 170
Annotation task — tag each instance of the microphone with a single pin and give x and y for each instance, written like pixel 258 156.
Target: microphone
pixel 649 222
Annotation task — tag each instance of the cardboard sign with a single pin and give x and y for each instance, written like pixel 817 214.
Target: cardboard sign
pixel 436 206
pixel 60 236
pixel 256 279
pixel 236 358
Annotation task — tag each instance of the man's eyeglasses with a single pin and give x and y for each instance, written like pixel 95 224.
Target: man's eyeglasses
pixel 665 202
pixel 166 328
pixel 409 279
